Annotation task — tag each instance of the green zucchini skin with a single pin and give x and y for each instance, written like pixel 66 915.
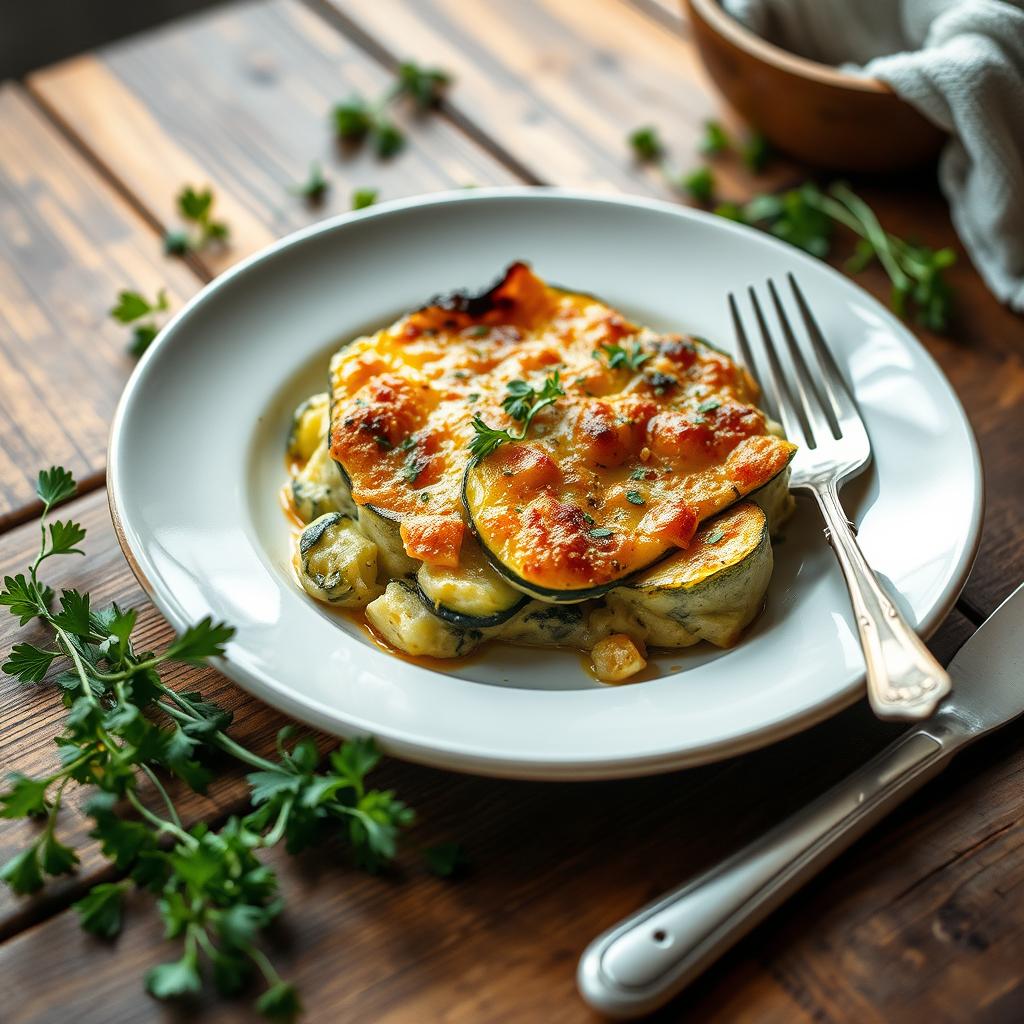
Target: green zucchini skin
pixel 773 498
pixel 335 563
pixel 679 608
pixel 472 595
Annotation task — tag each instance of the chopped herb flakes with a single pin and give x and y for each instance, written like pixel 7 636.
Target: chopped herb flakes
pixel 638 474
pixel 709 406
pixel 634 497
pixel 600 531
pixel 714 536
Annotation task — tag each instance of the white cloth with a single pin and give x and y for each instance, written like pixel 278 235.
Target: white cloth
pixel 959 62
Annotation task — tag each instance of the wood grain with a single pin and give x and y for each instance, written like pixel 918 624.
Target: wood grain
pixel 560 84
pixel 543 852
pixel 68 244
pixel 239 99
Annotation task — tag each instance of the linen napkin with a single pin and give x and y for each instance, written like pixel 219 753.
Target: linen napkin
pixel 961 64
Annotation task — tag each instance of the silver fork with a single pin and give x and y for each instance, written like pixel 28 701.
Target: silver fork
pixel 818 413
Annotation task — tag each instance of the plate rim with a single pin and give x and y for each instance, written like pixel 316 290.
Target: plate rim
pixel 459 757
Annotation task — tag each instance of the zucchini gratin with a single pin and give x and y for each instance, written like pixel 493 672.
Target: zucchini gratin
pixel 527 465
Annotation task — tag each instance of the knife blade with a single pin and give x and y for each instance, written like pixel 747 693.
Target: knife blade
pixel 640 963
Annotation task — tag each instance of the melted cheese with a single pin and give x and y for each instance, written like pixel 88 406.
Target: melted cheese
pixel 623 467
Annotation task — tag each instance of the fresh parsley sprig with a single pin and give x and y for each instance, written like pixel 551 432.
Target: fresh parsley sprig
pixel 522 403
pixel 314 188
pixel 125 730
pixel 618 357
pixel 131 307
pixel 806 216
pixel 196 208
pixel 357 120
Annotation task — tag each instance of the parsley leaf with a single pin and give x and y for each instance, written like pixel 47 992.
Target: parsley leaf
pixel 364 197
pixel 715 139
pixel 714 536
pixel 132 306
pixel 446 860
pixel 25 600
pixel 522 403
pixel 22 872
pixel 353 119
pixel 634 497
pixel 55 485
pixel 646 144
pixel 206 639
pixel 25 799
pixel 100 911
pixel 699 184
pixel 619 357
pixel 314 188
pixel 28 663
pixel 708 406
pixel 601 531
pixel 424 85
pixel 196 208
pixel 756 152
pixel 64 536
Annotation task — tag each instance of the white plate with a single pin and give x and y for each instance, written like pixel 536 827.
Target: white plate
pixel 196 462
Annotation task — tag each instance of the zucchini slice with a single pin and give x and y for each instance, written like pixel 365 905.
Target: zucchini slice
pixel 335 563
pixel 710 591
pixel 543 542
pixel 472 595
pixel 318 488
pixel 401 618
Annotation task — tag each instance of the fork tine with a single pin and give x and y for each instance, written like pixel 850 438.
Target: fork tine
pixel 843 405
pixel 787 407
pixel 815 409
pixel 770 399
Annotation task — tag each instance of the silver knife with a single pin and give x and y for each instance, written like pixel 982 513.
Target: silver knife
pixel 643 961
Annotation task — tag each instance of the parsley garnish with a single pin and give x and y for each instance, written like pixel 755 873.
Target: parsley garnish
pixel 364 197
pixel 805 217
pixel 424 85
pixel 709 406
pixel 356 120
pixel 131 306
pixel 715 140
pixel 699 184
pixel 126 729
pixel 601 531
pixel 473 396
pixel 646 144
pixel 314 188
pixel 756 152
pixel 196 208
pixel 638 474
pixel 618 357
pixel 523 403
pixel 634 497
pixel 714 536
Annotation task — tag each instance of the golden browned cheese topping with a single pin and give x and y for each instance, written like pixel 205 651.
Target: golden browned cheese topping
pixel 653 434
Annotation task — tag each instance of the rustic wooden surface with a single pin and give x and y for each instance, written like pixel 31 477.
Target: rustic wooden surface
pixel 915 922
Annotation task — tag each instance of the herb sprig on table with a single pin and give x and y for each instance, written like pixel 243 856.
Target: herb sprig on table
pixel 124 732
pixel 806 217
pixel 196 209
pixel 357 120
pixel 522 403
pixel 131 308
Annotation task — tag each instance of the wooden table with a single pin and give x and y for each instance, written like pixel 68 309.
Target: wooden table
pixel 924 919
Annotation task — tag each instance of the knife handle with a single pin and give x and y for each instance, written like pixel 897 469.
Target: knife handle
pixel 642 962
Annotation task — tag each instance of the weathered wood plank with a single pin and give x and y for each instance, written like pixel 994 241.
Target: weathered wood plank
pixel 239 99
pixel 597 851
pixel 68 244
pixel 560 84
pixel 554 864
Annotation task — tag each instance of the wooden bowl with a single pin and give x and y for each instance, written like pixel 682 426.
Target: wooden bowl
pixel 816 113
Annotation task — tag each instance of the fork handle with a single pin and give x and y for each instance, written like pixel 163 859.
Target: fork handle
pixel 903 678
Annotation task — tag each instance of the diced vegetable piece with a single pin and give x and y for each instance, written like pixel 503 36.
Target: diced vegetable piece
pixel 617 658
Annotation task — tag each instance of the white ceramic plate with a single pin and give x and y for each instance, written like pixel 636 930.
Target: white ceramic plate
pixel 196 463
